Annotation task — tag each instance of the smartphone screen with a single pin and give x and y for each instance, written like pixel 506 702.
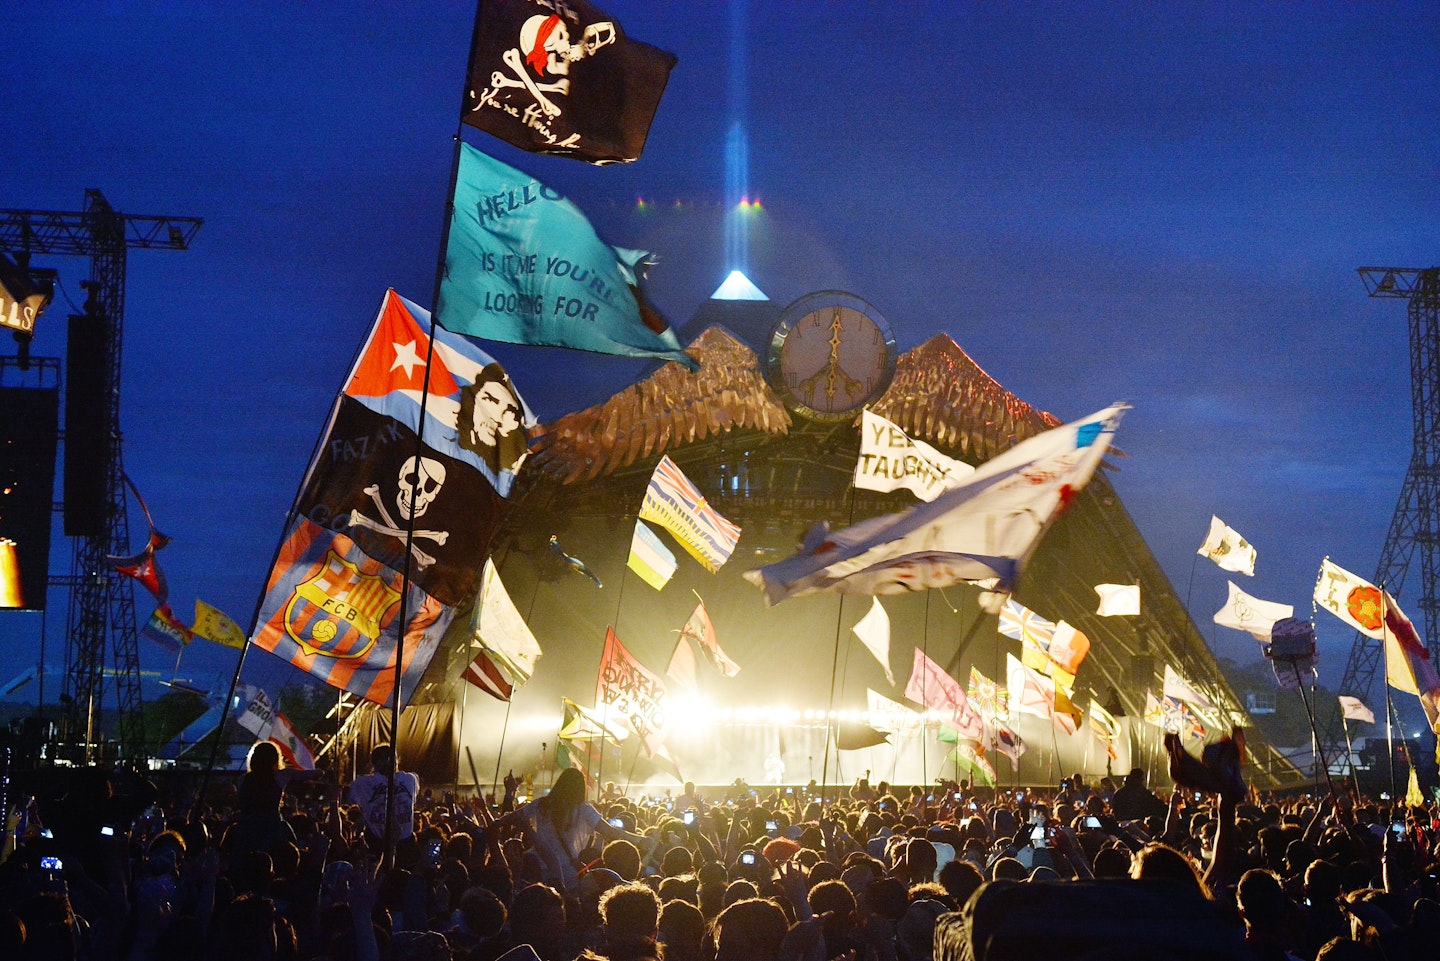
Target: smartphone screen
pixel 747 857
pixel 616 823
pixel 772 826
pixel 689 817
pixel 1092 822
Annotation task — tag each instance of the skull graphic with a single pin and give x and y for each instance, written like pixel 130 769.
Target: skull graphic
pixel 419 484
pixel 545 41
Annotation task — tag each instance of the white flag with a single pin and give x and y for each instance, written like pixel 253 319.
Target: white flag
pixel 874 632
pixel 1353 599
pixel 987 527
pixel 890 460
pixel 892 716
pixel 1228 549
pixel 1354 709
pixel 501 631
pixel 1118 600
pixel 1180 689
pixel 1245 613
pixel 258 717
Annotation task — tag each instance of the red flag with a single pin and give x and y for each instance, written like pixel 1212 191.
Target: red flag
pixel 700 628
pixel 143 567
pixel 635 694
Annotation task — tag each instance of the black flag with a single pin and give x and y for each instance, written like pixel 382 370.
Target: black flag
pixel 562 78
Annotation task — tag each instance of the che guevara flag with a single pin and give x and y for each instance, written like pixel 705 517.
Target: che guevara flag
pixel 473 412
pixel 524 266
pixel 333 612
pixel 562 79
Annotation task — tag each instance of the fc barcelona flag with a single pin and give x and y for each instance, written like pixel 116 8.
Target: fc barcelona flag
pixel 332 612
pixel 563 79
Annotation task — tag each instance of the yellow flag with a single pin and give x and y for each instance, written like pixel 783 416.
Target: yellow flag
pixel 213 625
pixel 1413 797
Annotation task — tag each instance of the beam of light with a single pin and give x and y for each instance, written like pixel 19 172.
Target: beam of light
pixel 737 149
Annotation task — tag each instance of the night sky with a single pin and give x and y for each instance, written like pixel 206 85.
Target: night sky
pixel 1163 204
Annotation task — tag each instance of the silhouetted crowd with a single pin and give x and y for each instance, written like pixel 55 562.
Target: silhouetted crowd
pixel 289 866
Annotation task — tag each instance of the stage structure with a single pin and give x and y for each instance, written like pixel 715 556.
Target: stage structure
pixel 768 430
pixel 102 604
pixel 1415 527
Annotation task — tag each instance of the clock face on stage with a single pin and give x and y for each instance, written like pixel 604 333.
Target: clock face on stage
pixel 830 355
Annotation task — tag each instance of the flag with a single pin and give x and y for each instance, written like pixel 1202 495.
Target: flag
pixel 971 758
pixel 332 611
pixel 1177 687
pixel 1179 719
pixel 485 674
pixel 1103 723
pixel 473 412
pixel 1292 652
pixel 1228 549
pixel 524 266
pixel 292 746
pixel 258 717
pixel 1354 709
pixel 213 625
pixel 164 629
pixel 682 664
pixel 582 724
pixel 1067 650
pixel 1024 625
pixel 874 632
pixel 985 528
pixel 498 628
pixel 1154 710
pixel 570 754
pixel 1413 797
pixel 889 461
pixel 1067 714
pixel 1003 739
pixel 1030 691
pixel 1353 599
pixel 1407 662
pixel 635 695
pixel 987 696
pixel 938 691
pixel 650 558
pixel 699 628
pixel 857 735
pixel 1245 613
pixel 892 716
pixel 144 568
pixel 562 79
pixel 677 505
pixel 1118 600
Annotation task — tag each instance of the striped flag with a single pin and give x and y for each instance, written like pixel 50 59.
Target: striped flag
pixel 650 558
pixel 166 630
pixel 678 506
pixel 486 675
pixel 1103 723
pixel 971 758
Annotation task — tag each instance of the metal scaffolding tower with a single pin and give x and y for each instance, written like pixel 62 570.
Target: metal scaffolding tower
pixel 1415 527
pixel 102 605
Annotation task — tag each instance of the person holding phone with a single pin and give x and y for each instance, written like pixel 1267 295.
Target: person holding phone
pixel 559 826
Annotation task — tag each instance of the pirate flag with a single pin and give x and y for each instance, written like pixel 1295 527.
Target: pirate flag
pixel 562 79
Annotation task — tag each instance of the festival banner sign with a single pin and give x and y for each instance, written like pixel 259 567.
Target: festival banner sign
pixel 890 460
pixel 524 266
pixel 632 694
pixel 941 693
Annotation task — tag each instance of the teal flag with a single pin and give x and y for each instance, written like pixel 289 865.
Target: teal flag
pixel 524 266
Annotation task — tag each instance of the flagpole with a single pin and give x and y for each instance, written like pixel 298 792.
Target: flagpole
pixel 830 711
pixel 402 616
pixel 1389 703
pixel 1349 749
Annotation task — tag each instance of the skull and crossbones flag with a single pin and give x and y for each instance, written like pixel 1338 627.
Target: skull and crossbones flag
pixel 562 78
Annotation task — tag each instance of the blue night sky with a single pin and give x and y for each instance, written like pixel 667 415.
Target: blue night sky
pixel 1159 203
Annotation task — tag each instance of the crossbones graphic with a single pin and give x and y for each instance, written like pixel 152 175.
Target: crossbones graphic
pixel 545 45
pixel 419 481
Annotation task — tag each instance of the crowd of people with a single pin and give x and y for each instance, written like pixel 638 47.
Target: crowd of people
pixel 293 866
